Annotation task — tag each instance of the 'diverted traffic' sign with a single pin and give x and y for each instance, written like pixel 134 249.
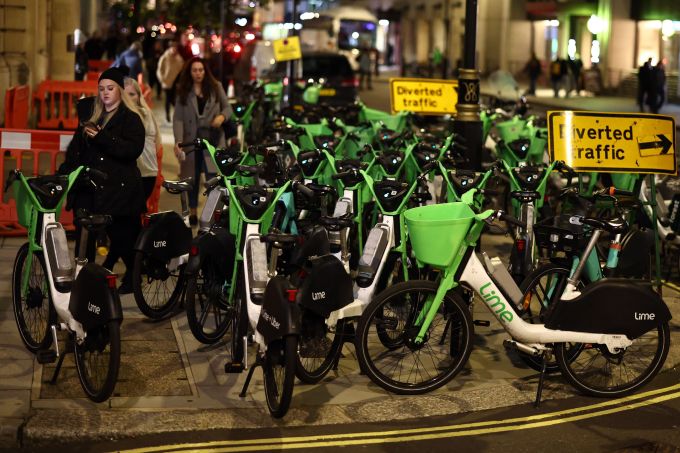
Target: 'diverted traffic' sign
pixel 613 142
pixel 287 49
pixel 425 96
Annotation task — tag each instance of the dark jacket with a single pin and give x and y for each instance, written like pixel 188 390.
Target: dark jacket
pixel 114 151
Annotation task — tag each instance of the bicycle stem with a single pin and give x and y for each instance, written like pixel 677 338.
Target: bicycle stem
pixel 573 280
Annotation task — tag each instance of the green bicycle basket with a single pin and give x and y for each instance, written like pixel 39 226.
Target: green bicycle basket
pixel 437 231
pixel 24 204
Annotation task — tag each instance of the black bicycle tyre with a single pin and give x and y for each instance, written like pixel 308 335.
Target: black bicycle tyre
pixel 452 303
pixel 313 376
pixel 37 338
pixel 167 305
pixel 109 337
pixel 280 357
pixel 195 298
pixel 567 367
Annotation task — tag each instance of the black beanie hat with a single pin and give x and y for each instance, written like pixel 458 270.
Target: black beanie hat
pixel 114 74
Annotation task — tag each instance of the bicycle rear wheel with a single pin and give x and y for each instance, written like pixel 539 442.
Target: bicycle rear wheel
pixel 402 366
pixel 598 372
pixel 319 347
pixel 98 361
pixel 279 374
pixel 34 312
pixel 157 290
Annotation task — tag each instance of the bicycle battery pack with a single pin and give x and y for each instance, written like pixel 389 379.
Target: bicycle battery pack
pixel 257 268
pixel 377 242
pixel 502 278
pixel 611 306
pixel 214 202
pixel 342 207
pixel 94 299
pixel 327 287
pixel 166 237
pixel 58 257
pixel 279 316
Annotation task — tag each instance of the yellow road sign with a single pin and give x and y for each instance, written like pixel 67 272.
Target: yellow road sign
pixel 287 49
pixel 426 96
pixel 613 142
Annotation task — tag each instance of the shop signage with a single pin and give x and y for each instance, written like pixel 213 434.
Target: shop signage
pixel 424 96
pixel 287 49
pixel 613 142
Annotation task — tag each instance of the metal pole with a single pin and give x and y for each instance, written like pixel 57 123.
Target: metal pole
pixel 467 123
pixel 292 63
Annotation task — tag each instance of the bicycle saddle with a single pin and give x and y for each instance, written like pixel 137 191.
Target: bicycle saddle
pixel 525 196
pixel 616 225
pixel 183 185
pixel 254 200
pixel 391 161
pixel 48 189
pixel 92 221
pixel 390 193
pixel 345 165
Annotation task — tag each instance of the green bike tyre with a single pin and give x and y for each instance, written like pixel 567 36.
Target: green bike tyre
pixel 394 311
pixel 35 313
pixel 279 374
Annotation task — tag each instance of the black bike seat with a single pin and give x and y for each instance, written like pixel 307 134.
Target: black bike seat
pixel 183 185
pixel 93 221
pixel 525 196
pixel 616 225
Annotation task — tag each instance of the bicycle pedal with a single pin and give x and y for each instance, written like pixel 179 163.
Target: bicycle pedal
pixel 481 323
pixel 234 367
pixel 46 356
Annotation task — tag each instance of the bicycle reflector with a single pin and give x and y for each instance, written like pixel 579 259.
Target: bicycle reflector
pixel 292 294
pixel 146 220
pixel 193 250
pixel 520 244
pixel 111 281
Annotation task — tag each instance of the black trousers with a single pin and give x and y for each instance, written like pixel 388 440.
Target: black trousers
pixel 148 182
pixel 122 233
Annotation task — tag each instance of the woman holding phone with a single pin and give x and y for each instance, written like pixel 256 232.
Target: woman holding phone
pixel 111 140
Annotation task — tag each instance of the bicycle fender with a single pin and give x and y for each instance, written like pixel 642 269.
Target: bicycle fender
pixel 218 245
pixel 165 238
pixel 94 299
pixel 279 317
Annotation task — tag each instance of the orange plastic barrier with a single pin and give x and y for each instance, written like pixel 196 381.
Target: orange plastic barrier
pixel 34 152
pixel 98 65
pixel 16 107
pixel 55 102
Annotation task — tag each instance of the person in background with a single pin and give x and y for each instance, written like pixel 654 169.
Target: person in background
pixel 656 95
pixel 132 58
pixel 533 70
pixel 201 108
pixel 575 67
pixel 94 46
pixel 169 66
pixel 80 68
pixel 111 140
pixel 644 75
pixel 152 67
pixel 558 72
pixel 365 68
pixel 147 162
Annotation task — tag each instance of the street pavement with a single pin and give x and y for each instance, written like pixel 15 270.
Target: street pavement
pixel 170 383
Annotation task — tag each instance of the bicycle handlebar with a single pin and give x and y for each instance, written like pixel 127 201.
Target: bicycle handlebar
pixel 304 190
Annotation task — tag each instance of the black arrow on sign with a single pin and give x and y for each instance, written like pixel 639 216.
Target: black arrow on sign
pixel 662 142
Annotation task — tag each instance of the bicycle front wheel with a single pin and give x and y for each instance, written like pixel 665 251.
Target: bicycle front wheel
pixel 156 288
pixel 279 374
pixel 403 365
pixel 599 372
pixel 33 311
pixel 98 361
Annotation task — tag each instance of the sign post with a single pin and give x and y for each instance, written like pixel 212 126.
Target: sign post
pixel 424 96
pixel 616 143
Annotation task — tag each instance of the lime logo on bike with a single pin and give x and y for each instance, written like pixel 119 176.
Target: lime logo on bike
pixel 644 316
pixel 93 308
pixel 495 303
pixel 157 244
pixel 271 320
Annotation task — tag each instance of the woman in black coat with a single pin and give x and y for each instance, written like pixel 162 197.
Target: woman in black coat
pixel 111 140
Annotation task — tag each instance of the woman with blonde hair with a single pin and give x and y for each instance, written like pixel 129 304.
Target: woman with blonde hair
pixel 147 162
pixel 110 141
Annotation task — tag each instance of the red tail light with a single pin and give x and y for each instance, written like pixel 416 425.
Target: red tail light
pixel 350 82
pixel 146 220
pixel 193 250
pixel 111 281
pixel 521 245
pixel 292 294
pixel 217 216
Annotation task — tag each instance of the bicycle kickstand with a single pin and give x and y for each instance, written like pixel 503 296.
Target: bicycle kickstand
pixel 258 363
pixel 541 379
pixel 68 348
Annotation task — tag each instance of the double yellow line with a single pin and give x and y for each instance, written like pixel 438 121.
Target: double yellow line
pixel 428 433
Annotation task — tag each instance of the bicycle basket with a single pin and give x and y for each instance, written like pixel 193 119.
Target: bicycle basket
pixel 437 231
pixel 24 204
pixel 560 234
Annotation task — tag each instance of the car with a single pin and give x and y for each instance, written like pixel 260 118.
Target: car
pixel 333 71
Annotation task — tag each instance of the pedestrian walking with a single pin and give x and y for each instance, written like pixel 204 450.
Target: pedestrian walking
pixel 201 108
pixel 575 67
pixel 147 161
pixel 644 76
pixel 365 68
pixel 656 94
pixel 94 46
pixel 132 58
pixel 80 66
pixel 169 66
pixel 533 70
pixel 151 63
pixel 558 73
pixel 110 141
